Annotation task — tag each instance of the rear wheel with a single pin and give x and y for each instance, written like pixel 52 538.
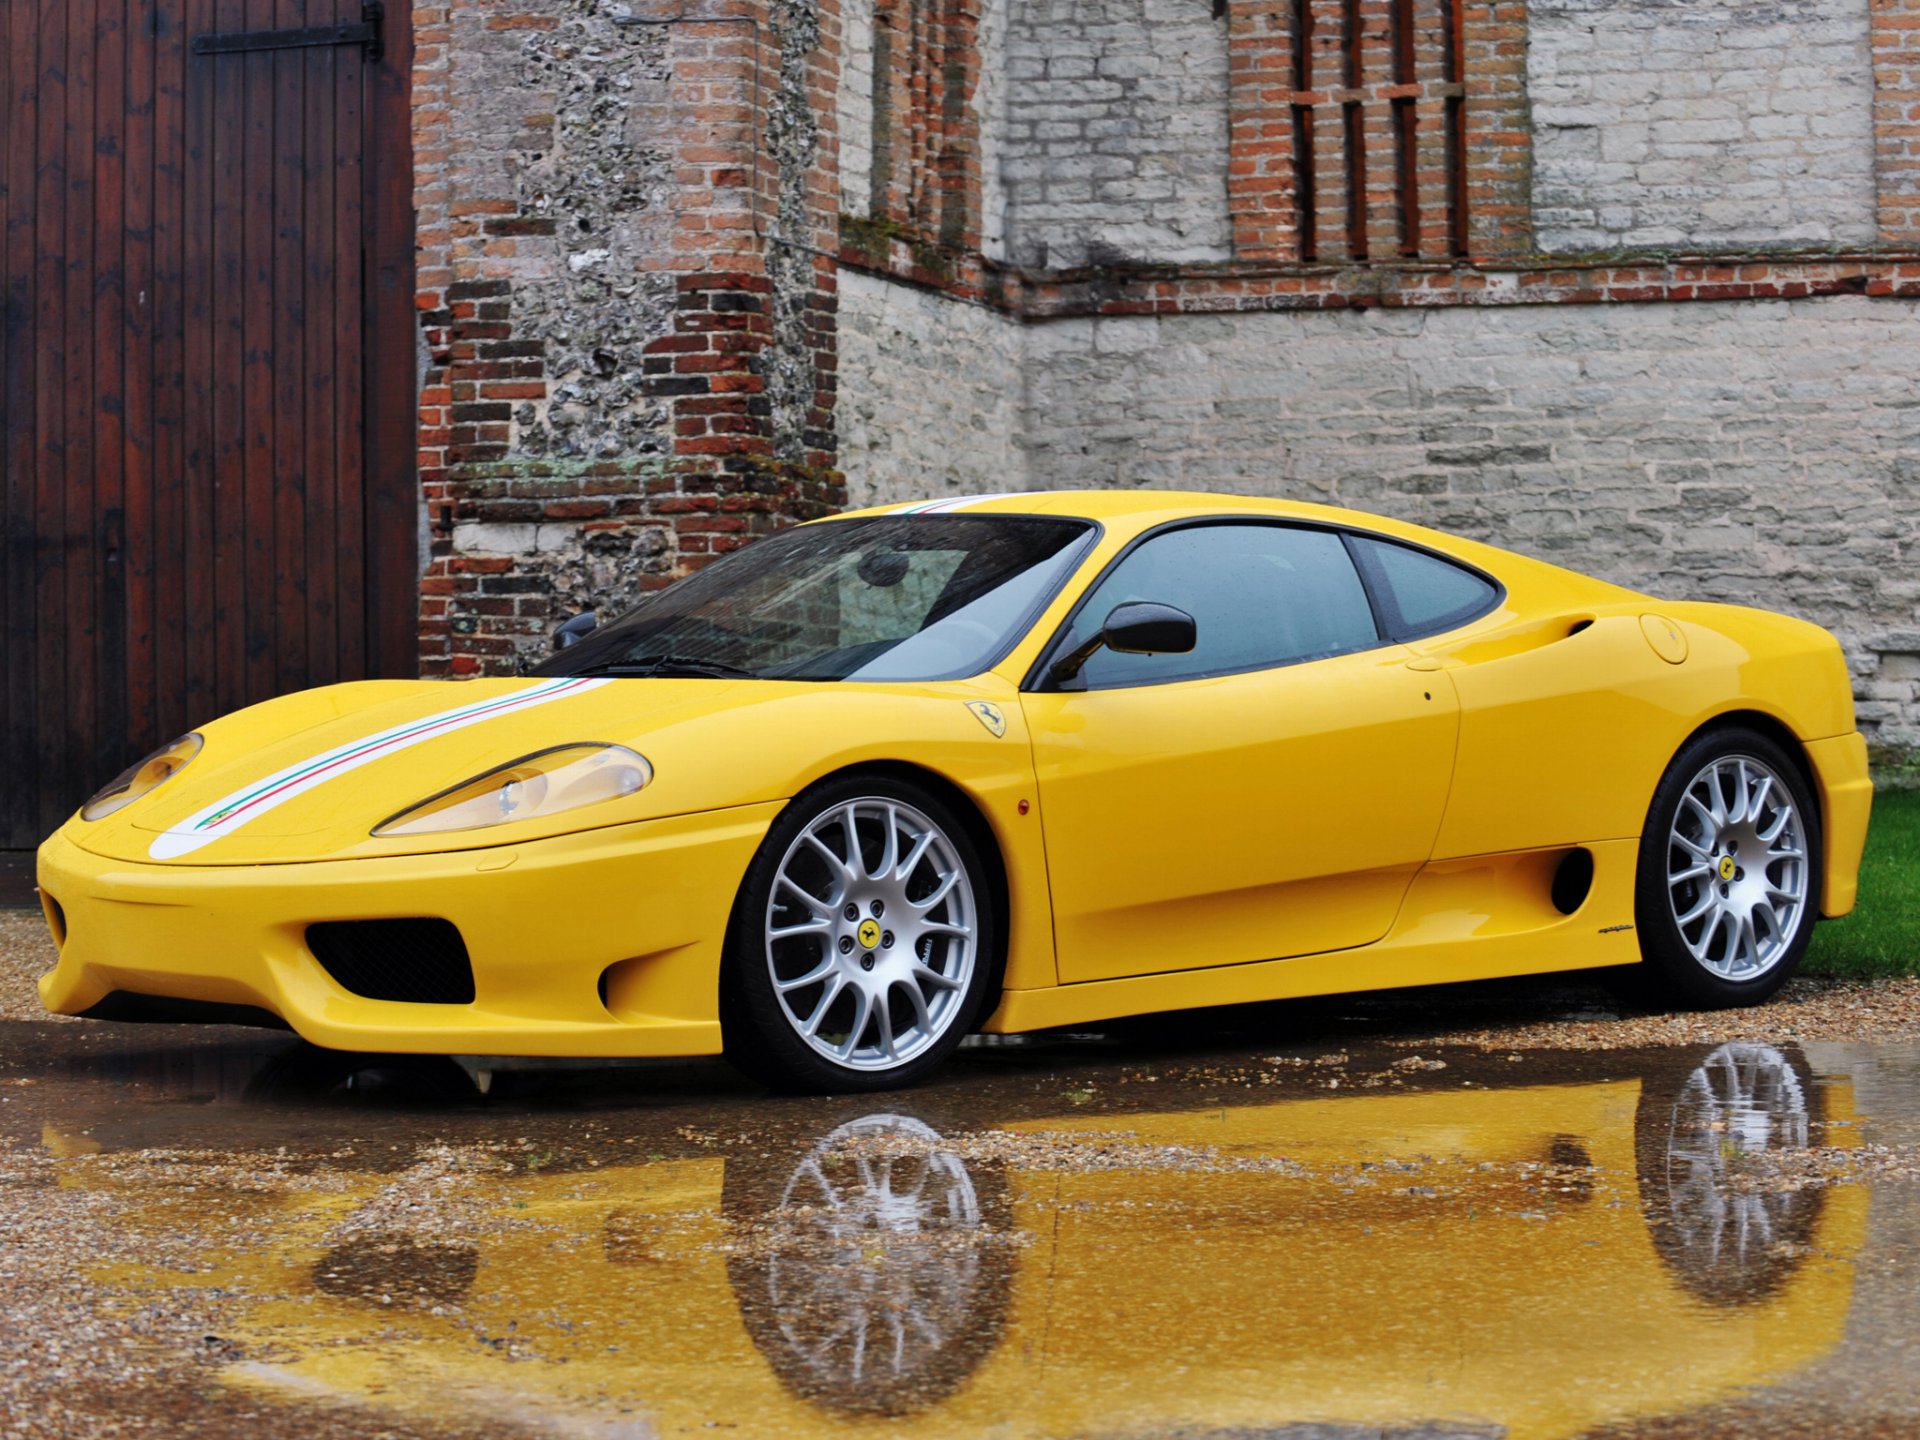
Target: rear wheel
pixel 1726 894
pixel 864 942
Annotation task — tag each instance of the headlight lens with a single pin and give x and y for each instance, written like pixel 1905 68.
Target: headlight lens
pixel 150 773
pixel 532 787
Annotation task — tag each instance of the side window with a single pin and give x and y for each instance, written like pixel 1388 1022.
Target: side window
pixel 1260 595
pixel 1422 594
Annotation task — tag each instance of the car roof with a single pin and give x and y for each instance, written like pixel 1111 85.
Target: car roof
pixel 1122 504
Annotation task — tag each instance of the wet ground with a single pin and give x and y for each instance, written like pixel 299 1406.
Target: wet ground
pixel 1299 1222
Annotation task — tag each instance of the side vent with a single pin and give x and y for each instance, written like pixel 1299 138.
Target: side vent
pixel 1572 879
pixel 418 961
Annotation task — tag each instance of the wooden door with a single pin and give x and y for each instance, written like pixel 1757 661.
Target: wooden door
pixel 206 380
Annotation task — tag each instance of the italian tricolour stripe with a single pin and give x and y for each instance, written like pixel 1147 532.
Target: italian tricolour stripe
pixel 229 813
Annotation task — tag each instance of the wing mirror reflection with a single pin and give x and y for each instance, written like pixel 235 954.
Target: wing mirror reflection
pixel 575 630
pixel 1139 627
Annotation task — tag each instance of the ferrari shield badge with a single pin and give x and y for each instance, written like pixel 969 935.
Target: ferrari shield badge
pixel 989 716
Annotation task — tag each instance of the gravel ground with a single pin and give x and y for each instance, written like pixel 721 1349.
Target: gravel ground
pixel 26 953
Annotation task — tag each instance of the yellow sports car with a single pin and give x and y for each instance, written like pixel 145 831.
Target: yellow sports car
pixel 1002 762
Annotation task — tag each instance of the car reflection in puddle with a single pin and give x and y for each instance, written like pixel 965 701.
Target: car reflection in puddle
pixel 1439 1253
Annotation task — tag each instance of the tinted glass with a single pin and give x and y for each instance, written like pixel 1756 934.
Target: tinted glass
pixel 1424 593
pixel 1260 595
pixel 894 597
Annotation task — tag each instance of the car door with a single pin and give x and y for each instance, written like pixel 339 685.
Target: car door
pixel 1269 794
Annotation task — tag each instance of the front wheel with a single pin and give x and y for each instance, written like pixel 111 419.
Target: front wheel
pixel 1726 891
pixel 864 941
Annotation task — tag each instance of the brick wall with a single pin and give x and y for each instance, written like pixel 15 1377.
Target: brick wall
pixel 1895 42
pixel 1724 123
pixel 622 373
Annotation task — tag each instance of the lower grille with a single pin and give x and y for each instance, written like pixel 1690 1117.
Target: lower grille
pixel 423 962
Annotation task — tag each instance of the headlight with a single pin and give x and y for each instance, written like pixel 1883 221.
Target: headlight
pixel 531 788
pixel 150 773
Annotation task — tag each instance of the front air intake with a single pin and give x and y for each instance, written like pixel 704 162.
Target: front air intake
pixel 420 961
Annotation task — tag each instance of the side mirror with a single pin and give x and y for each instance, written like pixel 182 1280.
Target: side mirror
pixel 575 630
pixel 1139 627
pixel 1142 627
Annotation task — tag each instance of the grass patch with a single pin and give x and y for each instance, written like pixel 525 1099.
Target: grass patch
pixel 1882 935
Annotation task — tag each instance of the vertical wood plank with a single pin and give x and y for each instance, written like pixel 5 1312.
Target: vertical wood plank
pixel 139 731
pixel 226 77
pixel 286 478
pixel 172 690
pixel 348 341
pixel 19 435
pixel 322 396
pixel 261 581
pixel 391 406
pixel 103 745
pixel 50 388
pixel 197 484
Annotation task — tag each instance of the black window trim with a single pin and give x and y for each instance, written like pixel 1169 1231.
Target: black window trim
pixel 1386 615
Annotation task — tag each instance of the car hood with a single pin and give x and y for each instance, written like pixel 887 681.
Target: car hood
pixel 308 776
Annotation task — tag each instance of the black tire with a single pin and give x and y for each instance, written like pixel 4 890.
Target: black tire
pixel 760 1035
pixel 1671 971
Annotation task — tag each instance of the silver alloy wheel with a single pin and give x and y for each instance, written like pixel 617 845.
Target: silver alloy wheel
pixel 1742 1099
pixel 1737 872
pixel 871 933
pixel 875 1256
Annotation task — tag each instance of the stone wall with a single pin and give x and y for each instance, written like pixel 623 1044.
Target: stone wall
pixel 1759 452
pixel 1728 122
pixel 931 400
pixel 625 320
pixel 1115 145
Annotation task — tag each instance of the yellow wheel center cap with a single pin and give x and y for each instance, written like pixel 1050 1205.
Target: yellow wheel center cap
pixel 1727 867
pixel 869 933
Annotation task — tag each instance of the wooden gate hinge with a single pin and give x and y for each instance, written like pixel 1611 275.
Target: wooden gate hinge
pixel 242 42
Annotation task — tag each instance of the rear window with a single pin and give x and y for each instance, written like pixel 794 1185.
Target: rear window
pixel 1421 593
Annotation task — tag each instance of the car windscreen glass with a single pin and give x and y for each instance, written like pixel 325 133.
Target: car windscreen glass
pixel 894 598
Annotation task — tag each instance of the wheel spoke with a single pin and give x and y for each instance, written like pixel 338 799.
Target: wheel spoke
pixel 883 1008
pixel 890 854
pixel 1757 806
pixel 825 851
pixel 940 891
pixel 832 994
pixel 819 925
pixel 813 977
pixel 1692 873
pixel 922 843
pixel 921 1017
pixel 1692 847
pixel 1708 901
pixel 1704 944
pixel 927 975
pixel 805 897
pixel 862 1012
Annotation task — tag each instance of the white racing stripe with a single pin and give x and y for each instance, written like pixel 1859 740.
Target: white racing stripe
pixel 243 806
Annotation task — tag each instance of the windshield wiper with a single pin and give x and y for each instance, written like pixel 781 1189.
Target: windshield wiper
pixel 669 665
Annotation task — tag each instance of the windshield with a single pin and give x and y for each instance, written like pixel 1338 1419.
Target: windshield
pixel 895 597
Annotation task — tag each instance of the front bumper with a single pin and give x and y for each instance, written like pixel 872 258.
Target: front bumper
pixel 636 914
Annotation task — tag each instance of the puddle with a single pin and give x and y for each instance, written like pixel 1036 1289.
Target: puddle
pixel 1054 1241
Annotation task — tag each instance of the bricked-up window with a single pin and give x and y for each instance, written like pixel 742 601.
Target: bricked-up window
pixel 1348 129
pixel 918 149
